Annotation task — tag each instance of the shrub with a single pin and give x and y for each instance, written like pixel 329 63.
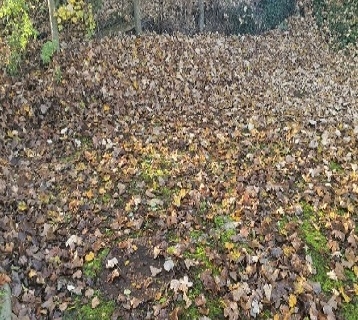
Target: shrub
pixel 338 19
pixel 47 51
pixel 16 30
pixel 76 12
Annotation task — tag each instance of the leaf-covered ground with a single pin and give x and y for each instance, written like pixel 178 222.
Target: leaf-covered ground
pixel 169 177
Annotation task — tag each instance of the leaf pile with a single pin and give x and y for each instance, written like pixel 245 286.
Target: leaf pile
pixel 203 177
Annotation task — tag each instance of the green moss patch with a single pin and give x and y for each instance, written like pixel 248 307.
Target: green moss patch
pixel 92 268
pixel 103 311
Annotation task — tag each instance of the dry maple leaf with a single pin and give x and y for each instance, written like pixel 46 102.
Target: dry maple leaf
pixel 4 279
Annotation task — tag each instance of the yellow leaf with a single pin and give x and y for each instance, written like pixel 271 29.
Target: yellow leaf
pixel 128 206
pixel 292 300
pixel 177 200
pixel 355 270
pixel 276 317
pixel 288 251
pixel 89 257
pixel 89 194
pixel 106 107
pixel 234 255
pixel 80 166
pixel 355 286
pixel 229 245
pixel 178 197
pixel 299 285
pixel 102 190
pixel 135 84
pixel 182 193
pixel 32 273
pixel 345 297
pixel 21 206
pixel 106 178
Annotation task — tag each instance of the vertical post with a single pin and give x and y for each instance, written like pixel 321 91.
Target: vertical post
pixel 53 24
pixel 201 15
pixel 137 19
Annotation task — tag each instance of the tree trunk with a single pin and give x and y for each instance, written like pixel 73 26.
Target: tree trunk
pixel 53 24
pixel 201 15
pixel 137 19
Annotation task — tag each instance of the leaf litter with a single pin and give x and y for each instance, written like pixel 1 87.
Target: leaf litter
pixel 214 170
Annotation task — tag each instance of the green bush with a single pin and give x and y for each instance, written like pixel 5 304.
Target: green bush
pixel 16 30
pixel 47 51
pixel 267 15
pixel 241 19
pixel 338 19
pixel 275 11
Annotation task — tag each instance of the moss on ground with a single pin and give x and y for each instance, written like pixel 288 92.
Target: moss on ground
pixel 316 242
pixel 103 311
pixel 350 310
pixel 92 268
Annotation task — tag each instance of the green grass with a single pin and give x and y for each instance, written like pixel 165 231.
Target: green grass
pixel 317 248
pixel 103 311
pixel 350 310
pixel 320 263
pixel 334 166
pixel 92 268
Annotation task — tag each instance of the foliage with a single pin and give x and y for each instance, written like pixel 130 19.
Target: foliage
pixel 241 19
pixel 210 177
pixel 338 19
pixel 76 13
pixel 275 11
pixel 17 30
pixel 58 74
pixel 47 51
pixel 253 19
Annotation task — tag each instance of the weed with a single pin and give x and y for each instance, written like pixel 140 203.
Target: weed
pixel 47 51
pixel 106 198
pixel 334 166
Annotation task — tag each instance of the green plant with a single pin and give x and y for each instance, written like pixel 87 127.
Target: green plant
pixel 76 12
pixel 91 268
pixel 338 19
pixel 58 74
pixel 85 312
pixel 17 30
pixel 275 12
pixel 47 51
pixel 242 19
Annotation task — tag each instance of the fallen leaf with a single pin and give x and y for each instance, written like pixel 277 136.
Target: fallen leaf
pixel 168 265
pixel 111 263
pixel 95 302
pixel 4 279
pixel 89 257
pixel 155 271
pixel 292 301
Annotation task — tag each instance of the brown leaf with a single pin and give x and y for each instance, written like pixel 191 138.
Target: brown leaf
pixel 4 279
pixel 95 302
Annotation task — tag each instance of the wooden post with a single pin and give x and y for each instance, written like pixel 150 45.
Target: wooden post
pixel 53 24
pixel 201 15
pixel 137 18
